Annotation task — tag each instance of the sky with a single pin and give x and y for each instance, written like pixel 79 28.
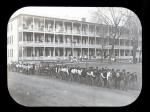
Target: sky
pixel 73 13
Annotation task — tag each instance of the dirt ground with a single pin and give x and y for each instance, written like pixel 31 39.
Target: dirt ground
pixel 38 91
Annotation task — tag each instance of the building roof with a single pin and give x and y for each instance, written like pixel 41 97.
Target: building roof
pixel 68 20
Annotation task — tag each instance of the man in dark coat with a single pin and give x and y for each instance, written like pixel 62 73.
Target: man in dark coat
pixel 104 76
pixel 114 78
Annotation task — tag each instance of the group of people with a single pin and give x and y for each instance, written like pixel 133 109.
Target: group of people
pixel 102 77
pixel 76 59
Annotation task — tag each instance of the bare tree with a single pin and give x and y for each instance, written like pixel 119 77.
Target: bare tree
pixel 134 26
pixel 113 18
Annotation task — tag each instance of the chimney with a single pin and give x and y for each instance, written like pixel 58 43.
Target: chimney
pixel 83 19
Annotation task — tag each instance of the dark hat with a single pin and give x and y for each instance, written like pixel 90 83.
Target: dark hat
pixel 123 70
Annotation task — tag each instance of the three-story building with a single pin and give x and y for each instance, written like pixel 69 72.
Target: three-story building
pixel 37 38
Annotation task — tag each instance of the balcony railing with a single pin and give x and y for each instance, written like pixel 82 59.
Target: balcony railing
pixel 84 33
pixel 49 30
pixel 57 44
pixel 28 27
pixel 123 47
pixel 91 33
pixel 43 58
pixel 59 30
pixel 68 31
pixel 39 28
pixel 76 32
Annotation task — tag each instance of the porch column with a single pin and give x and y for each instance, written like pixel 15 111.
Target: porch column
pixel 54 26
pixel 72 40
pixel 88 41
pixel 54 52
pixel 22 53
pixel 88 34
pixel 22 41
pixel 64 52
pixel 124 52
pixel 130 52
pixel 95 52
pixel 44 31
pixel 44 38
pixel 63 26
pixel 108 51
pixel 88 53
pixel 95 32
pixel 95 40
pixel 119 52
pixel 22 29
pixel 33 23
pixel 44 52
pixel 88 29
pixel 33 52
pixel 50 52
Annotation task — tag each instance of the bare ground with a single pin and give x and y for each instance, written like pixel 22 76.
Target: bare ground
pixel 38 91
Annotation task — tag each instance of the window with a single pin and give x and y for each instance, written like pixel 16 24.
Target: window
pixel 9 39
pixel 20 52
pixel 27 37
pixel 9 53
pixel 121 52
pixel 127 42
pixel 47 51
pixel 28 22
pixel 131 52
pixel 106 41
pixel 38 23
pixel 126 52
pixel 12 52
pixel 41 51
pixel 56 52
pixel 12 40
pixel 29 51
pixel 122 42
pixel 20 36
pixel 132 43
pixel 116 52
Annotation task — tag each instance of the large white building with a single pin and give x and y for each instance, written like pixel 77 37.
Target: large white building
pixel 35 38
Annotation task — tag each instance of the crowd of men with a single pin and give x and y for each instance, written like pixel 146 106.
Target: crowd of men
pixel 102 77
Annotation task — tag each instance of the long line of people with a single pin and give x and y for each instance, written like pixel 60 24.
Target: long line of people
pixel 103 77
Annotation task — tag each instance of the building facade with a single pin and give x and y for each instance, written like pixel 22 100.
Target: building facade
pixel 36 38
